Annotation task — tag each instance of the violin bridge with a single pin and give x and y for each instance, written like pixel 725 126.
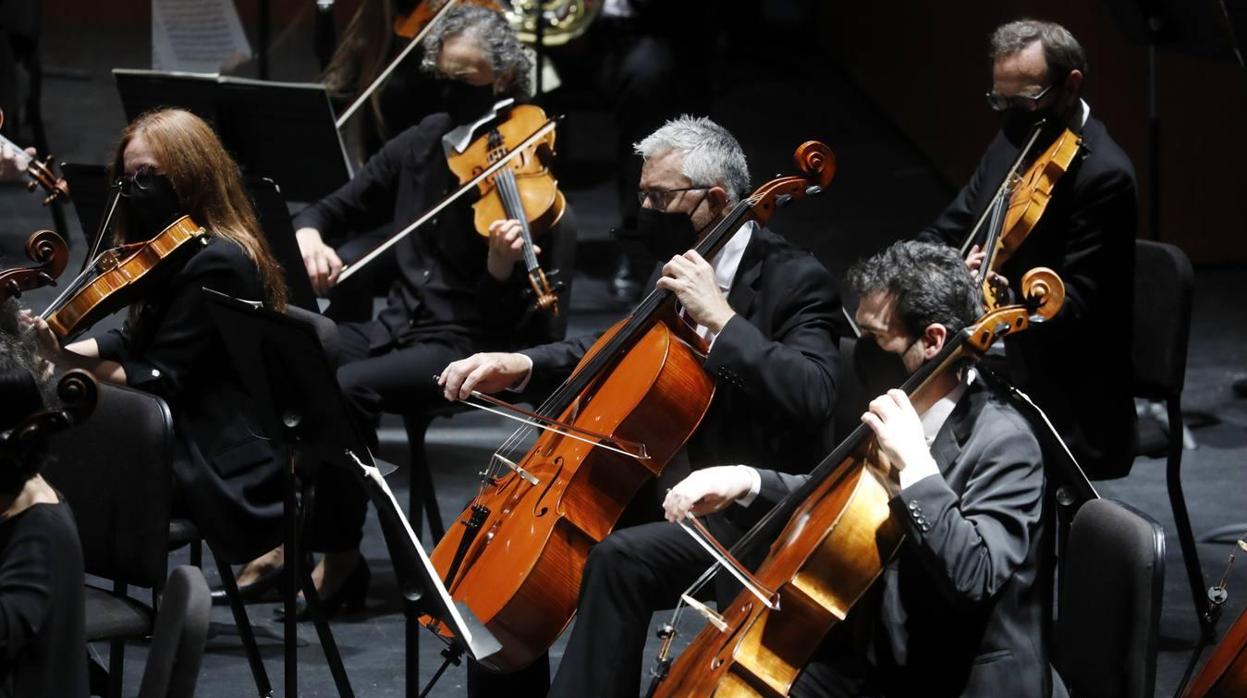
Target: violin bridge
pixel 529 477
pixel 712 617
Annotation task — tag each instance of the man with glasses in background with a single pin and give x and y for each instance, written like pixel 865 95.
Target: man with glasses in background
pixel 1076 367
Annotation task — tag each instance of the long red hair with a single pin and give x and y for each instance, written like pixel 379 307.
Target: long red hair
pixel 208 185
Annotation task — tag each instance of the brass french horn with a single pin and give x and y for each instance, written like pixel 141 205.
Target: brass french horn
pixel 564 19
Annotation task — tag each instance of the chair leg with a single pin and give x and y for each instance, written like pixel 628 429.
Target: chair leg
pixel 197 554
pixel 422 496
pixel 1182 520
pixel 116 667
pixel 243 622
pixel 411 617
pixel 327 643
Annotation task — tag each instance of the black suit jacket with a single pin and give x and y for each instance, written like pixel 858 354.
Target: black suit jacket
pixel 774 362
pixel 228 473
pixel 959 611
pixel 1077 366
pixel 443 288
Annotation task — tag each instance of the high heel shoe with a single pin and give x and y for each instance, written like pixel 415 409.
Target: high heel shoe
pixel 348 598
pixel 265 588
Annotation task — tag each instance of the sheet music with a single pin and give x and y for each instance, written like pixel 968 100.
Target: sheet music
pixel 204 36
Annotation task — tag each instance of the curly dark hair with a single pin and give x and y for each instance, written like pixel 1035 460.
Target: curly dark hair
pixel 930 283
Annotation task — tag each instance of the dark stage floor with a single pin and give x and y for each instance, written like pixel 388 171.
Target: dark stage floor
pixel 771 110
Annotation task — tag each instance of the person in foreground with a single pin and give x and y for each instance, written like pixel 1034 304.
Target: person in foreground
pixel 959 611
pixel 42 641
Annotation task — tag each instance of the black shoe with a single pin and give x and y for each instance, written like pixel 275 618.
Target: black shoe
pixel 1239 387
pixel 266 588
pixel 349 598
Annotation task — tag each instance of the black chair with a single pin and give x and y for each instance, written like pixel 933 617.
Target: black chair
pixel 1112 582
pixel 1163 290
pixel 178 641
pixel 116 472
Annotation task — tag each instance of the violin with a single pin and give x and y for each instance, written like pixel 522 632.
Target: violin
pixel 50 255
pixel 1028 196
pixel 837 536
pixel 517 553
pixel 418 18
pixel 39 171
pixel 525 191
pixel 117 277
pixel 413 25
pixel 508 167
pixel 78 393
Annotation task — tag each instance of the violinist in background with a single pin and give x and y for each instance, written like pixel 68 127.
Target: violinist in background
pixel 227 477
pixel 457 291
pixel 957 611
pixel 42 641
pixel 767 310
pixel 1076 367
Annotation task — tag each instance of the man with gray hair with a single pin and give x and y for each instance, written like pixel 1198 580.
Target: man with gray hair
pixel 1077 367
pixel 767 311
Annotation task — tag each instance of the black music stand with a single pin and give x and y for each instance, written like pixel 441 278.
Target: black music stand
pixel 286 131
pixel 282 358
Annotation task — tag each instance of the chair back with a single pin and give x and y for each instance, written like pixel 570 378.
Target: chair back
pixel 1164 286
pixel 178 641
pixel 1110 602
pixel 116 472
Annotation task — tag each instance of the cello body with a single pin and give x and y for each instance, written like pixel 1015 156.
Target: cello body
pixel 1225 674
pixel 763 651
pixel 657 395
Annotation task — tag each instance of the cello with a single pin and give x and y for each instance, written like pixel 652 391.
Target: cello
pixel 50 255
pixel 1225 674
pixel 516 555
pixel 838 534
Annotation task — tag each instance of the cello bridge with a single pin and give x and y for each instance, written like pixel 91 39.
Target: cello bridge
pixel 528 477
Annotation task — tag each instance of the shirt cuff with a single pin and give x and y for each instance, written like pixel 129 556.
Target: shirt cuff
pixel 755 486
pixel 920 470
pixel 518 386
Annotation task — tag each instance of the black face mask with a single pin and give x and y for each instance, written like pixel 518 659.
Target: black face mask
pixel 662 234
pixel 152 208
pixel 466 103
pixel 878 370
pixel 1016 124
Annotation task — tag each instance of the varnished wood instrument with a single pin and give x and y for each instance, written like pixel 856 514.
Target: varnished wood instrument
pixel 117 277
pixel 516 554
pixel 837 535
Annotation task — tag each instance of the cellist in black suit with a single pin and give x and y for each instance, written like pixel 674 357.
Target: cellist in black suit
pixel 1077 367
pixel 769 312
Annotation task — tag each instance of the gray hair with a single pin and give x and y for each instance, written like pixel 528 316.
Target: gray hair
pixel 496 38
pixel 712 156
pixel 930 283
pixel 1061 50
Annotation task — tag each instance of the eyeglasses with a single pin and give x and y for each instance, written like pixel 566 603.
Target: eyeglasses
pixel 999 102
pixel 140 180
pixel 661 198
